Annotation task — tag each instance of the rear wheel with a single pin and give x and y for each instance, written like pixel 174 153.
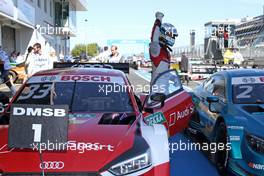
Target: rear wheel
pixel 220 157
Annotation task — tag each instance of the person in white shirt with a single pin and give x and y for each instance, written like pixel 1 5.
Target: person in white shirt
pixel 38 62
pixel 238 58
pixel 103 56
pixel 4 59
pixel 115 56
pixel 53 58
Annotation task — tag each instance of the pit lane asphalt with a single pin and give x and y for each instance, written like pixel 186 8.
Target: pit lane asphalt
pixel 182 162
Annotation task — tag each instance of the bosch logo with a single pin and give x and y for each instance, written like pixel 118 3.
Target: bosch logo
pixel 52 165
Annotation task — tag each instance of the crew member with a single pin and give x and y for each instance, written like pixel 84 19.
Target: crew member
pixel 37 61
pixel 4 59
pixel 115 56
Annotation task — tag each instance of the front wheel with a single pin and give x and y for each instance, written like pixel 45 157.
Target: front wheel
pixel 220 157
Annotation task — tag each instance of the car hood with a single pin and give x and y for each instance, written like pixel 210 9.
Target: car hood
pixel 254 117
pixel 90 147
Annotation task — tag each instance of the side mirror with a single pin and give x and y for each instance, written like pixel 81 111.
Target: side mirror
pixel 210 100
pixel 158 97
pixel 158 100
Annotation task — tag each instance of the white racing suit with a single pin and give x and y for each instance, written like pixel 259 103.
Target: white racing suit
pixel 159 55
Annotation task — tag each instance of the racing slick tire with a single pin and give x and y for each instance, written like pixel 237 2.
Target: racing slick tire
pixel 220 157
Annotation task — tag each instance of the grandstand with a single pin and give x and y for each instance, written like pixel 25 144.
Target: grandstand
pixel 250 39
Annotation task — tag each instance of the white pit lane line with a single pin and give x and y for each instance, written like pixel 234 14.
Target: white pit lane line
pixel 141 76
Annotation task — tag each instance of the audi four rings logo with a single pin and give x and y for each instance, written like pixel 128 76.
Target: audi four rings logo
pixel 52 165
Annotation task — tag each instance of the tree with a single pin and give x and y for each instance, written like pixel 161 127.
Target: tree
pixel 92 49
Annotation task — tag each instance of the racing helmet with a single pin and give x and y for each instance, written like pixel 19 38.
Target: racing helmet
pixel 168 33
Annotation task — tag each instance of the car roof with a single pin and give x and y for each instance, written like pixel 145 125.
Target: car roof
pixel 242 72
pixel 82 71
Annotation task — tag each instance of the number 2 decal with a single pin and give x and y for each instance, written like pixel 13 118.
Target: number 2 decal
pixel 245 93
pixel 37 132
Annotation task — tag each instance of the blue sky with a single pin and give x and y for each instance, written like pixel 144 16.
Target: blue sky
pixel 133 19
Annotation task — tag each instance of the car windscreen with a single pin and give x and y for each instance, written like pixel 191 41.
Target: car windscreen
pixel 80 96
pixel 249 91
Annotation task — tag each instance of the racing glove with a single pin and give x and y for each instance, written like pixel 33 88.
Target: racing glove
pixel 159 15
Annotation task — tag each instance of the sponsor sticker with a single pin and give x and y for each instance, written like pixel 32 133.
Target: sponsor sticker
pixel 247 80
pixel 178 115
pixel 73 78
pixel 156 118
pixel 236 127
pixel 82 116
pixel 256 166
pixel 234 138
pixel 37 124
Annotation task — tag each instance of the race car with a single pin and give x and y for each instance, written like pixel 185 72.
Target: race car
pixel 87 121
pixel 230 113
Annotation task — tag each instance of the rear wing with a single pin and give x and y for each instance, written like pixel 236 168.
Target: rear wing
pixel 124 67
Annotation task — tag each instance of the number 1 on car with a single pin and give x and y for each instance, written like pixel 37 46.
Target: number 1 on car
pixel 37 132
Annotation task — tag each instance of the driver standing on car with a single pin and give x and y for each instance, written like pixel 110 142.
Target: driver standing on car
pixel 162 38
pixel 4 59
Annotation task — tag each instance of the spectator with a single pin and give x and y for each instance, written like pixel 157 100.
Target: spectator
pixel 4 59
pixel 238 58
pixel 115 57
pixel 184 66
pixel 103 56
pixel 83 56
pixel 37 62
pixel 53 57
pixel 13 56
pixel 61 57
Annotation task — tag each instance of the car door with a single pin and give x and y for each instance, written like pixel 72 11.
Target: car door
pixel 215 86
pixel 178 106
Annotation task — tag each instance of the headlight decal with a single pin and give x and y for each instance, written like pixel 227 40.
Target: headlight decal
pixel 256 143
pixel 132 165
pixel 140 147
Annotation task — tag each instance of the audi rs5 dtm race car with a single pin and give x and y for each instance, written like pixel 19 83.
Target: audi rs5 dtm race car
pixel 230 112
pixel 72 121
